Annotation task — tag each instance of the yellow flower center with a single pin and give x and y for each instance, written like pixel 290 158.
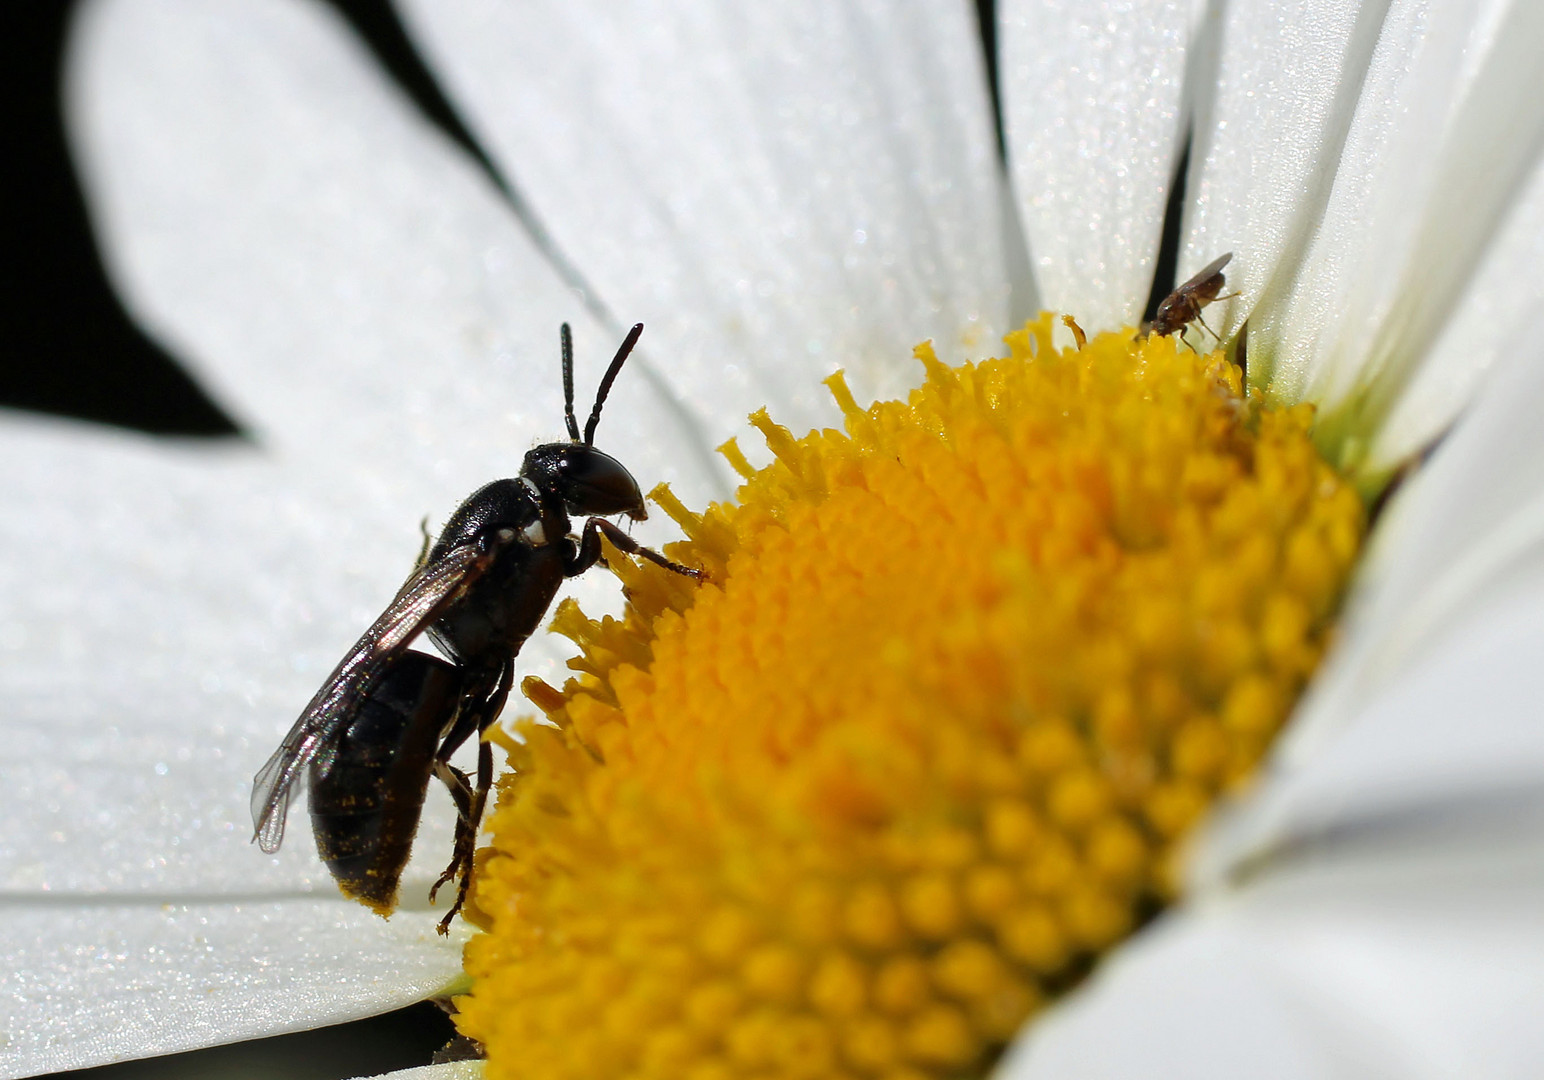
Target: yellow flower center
pixel 928 743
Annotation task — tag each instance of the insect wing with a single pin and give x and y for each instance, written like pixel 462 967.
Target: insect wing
pixel 1210 270
pixel 421 600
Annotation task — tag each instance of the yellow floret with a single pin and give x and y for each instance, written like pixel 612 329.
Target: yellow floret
pixel 930 740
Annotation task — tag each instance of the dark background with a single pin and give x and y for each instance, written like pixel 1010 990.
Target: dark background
pixel 68 348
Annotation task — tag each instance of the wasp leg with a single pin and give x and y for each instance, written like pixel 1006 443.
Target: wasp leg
pixel 423 550
pixel 466 838
pixel 460 789
pixel 470 801
pixel 1202 323
pixel 589 550
pixel 454 779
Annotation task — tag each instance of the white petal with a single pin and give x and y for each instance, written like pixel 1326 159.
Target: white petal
pixel 184 975
pixel 1095 119
pixel 171 606
pixel 1458 733
pixel 1287 81
pixel 1449 125
pixel 1432 700
pixel 346 279
pixel 167 614
pixel 451 1070
pixel 1420 956
pixel 1499 308
pixel 778 190
pixel 1191 998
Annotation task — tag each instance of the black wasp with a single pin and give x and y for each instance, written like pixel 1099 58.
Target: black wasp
pixel 388 718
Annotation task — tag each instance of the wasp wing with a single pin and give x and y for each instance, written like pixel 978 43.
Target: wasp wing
pixel 421 600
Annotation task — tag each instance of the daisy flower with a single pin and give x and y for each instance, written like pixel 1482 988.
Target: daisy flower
pixel 778 194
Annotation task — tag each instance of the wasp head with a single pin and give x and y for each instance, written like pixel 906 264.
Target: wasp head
pixel 590 483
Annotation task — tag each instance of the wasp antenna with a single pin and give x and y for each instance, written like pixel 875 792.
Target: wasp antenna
pixel 605 384
pixel 567 337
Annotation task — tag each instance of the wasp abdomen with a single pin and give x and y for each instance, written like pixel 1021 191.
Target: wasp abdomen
pixel 365 802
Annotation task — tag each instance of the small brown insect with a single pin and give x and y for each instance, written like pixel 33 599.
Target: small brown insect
pixel 1183 306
